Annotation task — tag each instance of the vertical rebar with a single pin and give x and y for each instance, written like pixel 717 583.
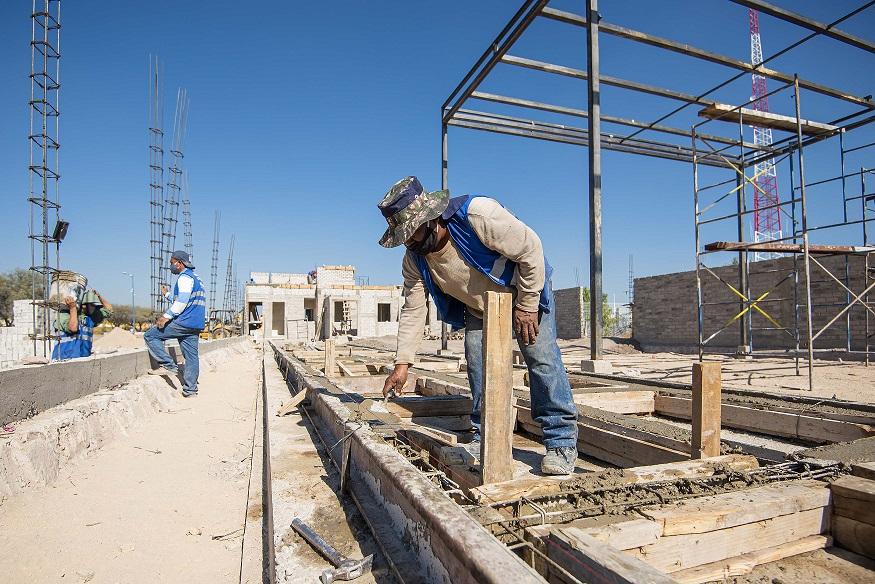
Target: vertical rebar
pixel 186 218
pixel 44 162
pixel 174 184
pixel 214 267
pixel 156 181
pixel 796 334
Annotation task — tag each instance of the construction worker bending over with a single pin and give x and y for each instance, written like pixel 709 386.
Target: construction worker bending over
pixel 74 327
pixel 457 250
pixel 184 321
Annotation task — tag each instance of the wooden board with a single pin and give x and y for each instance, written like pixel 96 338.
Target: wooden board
pixel 854 497
pixel 619 402
pixel 497 415
pixel 622 535
pixel 809 428
pixel 543 486
pixel 431 387
pixel 853 535
pixel 704 514
pixel 744 564
pixel 735 115
pixel 417 406
pixel 864 470
pixel 593 561
pixel 611 447
pixel 679 552
pixel 706 410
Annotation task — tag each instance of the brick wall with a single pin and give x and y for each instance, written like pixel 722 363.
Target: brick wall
pixel 571 313
pixel 664 312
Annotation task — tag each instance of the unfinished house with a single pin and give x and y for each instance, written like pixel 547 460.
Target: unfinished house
pixel 319 305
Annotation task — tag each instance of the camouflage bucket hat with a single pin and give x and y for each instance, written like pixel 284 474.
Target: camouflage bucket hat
pixel 407 206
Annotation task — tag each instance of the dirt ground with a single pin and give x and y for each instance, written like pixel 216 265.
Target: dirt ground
pixel 117 338
pixel 166 503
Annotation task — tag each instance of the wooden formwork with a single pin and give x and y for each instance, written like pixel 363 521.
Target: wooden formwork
pixel 672 541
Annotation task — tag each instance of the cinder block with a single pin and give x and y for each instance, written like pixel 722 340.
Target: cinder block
pixel 597 366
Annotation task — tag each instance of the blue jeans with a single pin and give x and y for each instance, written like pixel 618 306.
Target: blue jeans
pixel 188 341
pixel 552 405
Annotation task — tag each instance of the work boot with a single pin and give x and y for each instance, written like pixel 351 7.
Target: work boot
pixel 559 461
pixel 163 371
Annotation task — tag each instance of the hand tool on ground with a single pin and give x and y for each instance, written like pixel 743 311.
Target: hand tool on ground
pixel 344 568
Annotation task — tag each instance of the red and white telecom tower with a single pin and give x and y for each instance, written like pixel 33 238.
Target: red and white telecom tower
pixel 767 215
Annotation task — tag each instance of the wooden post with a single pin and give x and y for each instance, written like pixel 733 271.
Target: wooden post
pixel 496 446
pixel 706 410
pixel 329 358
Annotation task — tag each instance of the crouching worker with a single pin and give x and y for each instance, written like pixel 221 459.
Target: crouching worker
pixel 74 326
pixel 457 250
pixel 184 321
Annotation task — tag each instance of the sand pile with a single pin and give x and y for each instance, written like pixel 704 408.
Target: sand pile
pixel 118 338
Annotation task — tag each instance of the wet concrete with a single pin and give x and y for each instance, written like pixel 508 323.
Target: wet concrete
pixel 862 450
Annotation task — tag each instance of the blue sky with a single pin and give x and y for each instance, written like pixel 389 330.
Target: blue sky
pixel 302 115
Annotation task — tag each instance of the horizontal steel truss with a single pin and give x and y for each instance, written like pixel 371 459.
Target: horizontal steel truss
pixel 454 115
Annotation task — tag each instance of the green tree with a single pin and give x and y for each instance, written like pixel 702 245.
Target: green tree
pixel 609 319
pixel 121 315
pixel 16 285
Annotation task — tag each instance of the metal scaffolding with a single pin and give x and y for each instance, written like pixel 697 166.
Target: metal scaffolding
pixel 46 228
pixel 655 138
pixel 156 180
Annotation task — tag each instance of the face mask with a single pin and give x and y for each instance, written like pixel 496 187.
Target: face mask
pixel 429 243
pixel 174 269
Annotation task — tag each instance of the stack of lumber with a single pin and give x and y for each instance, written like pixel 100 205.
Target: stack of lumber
pixel 718 536
pixel 854 514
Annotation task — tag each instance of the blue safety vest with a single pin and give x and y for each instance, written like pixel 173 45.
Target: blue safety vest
pixel 194 315
pixel 78 344
pixel 492 264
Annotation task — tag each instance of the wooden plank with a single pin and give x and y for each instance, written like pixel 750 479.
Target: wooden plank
pixel 619 402
pixel 706 410
pixel 854 535
pixel 544 486
pixel 704 514
pixel 854 497
pixel 622 535
pixel 865 470
pixel 431 386
pixel 496 446
pixel 290 406
pixel 617 449
pixel 808 428
pixel 786 247
pixel 729 113
pixel 415 406
pixel 593 561
pixel 344 370
pixel 678 552
pixel 328 365
pixel 744 564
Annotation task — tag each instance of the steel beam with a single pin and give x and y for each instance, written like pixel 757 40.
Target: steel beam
pixel 704 55
pixel 445 332
pixel 593 98
pixel 610 119
pixel 606 79
pixel 521 20
pixel 805 22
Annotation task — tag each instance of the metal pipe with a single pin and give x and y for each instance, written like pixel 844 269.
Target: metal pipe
pixel 445 333
pixel 697 227
pixel 593 97
pixel 805 243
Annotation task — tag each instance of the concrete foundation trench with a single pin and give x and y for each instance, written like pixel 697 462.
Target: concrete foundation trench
pixel 122 480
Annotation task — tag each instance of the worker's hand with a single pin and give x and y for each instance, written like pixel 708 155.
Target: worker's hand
pixel 162 321
pixel 70 302
pixel 164 289
pixel 525 325
pixel 396 380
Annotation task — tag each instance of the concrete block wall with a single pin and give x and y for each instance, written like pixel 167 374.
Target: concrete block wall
pixel 571 313
pixel 15 340
pixel 664 312
pixel 277 278
pixel 327 276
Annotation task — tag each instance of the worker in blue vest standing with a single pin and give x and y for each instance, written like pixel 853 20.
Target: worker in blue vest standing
pixel 457 250
pixel 184 321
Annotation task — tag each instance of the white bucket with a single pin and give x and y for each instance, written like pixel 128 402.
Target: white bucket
pixel 66 284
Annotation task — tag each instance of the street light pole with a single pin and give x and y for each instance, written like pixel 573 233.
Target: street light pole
pixel 133 313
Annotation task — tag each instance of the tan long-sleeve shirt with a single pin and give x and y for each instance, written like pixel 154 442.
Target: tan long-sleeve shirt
pixel 498 230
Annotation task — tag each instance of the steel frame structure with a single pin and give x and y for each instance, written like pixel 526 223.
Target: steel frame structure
pixel 592 137
pixel 43 165
pixel 174 185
